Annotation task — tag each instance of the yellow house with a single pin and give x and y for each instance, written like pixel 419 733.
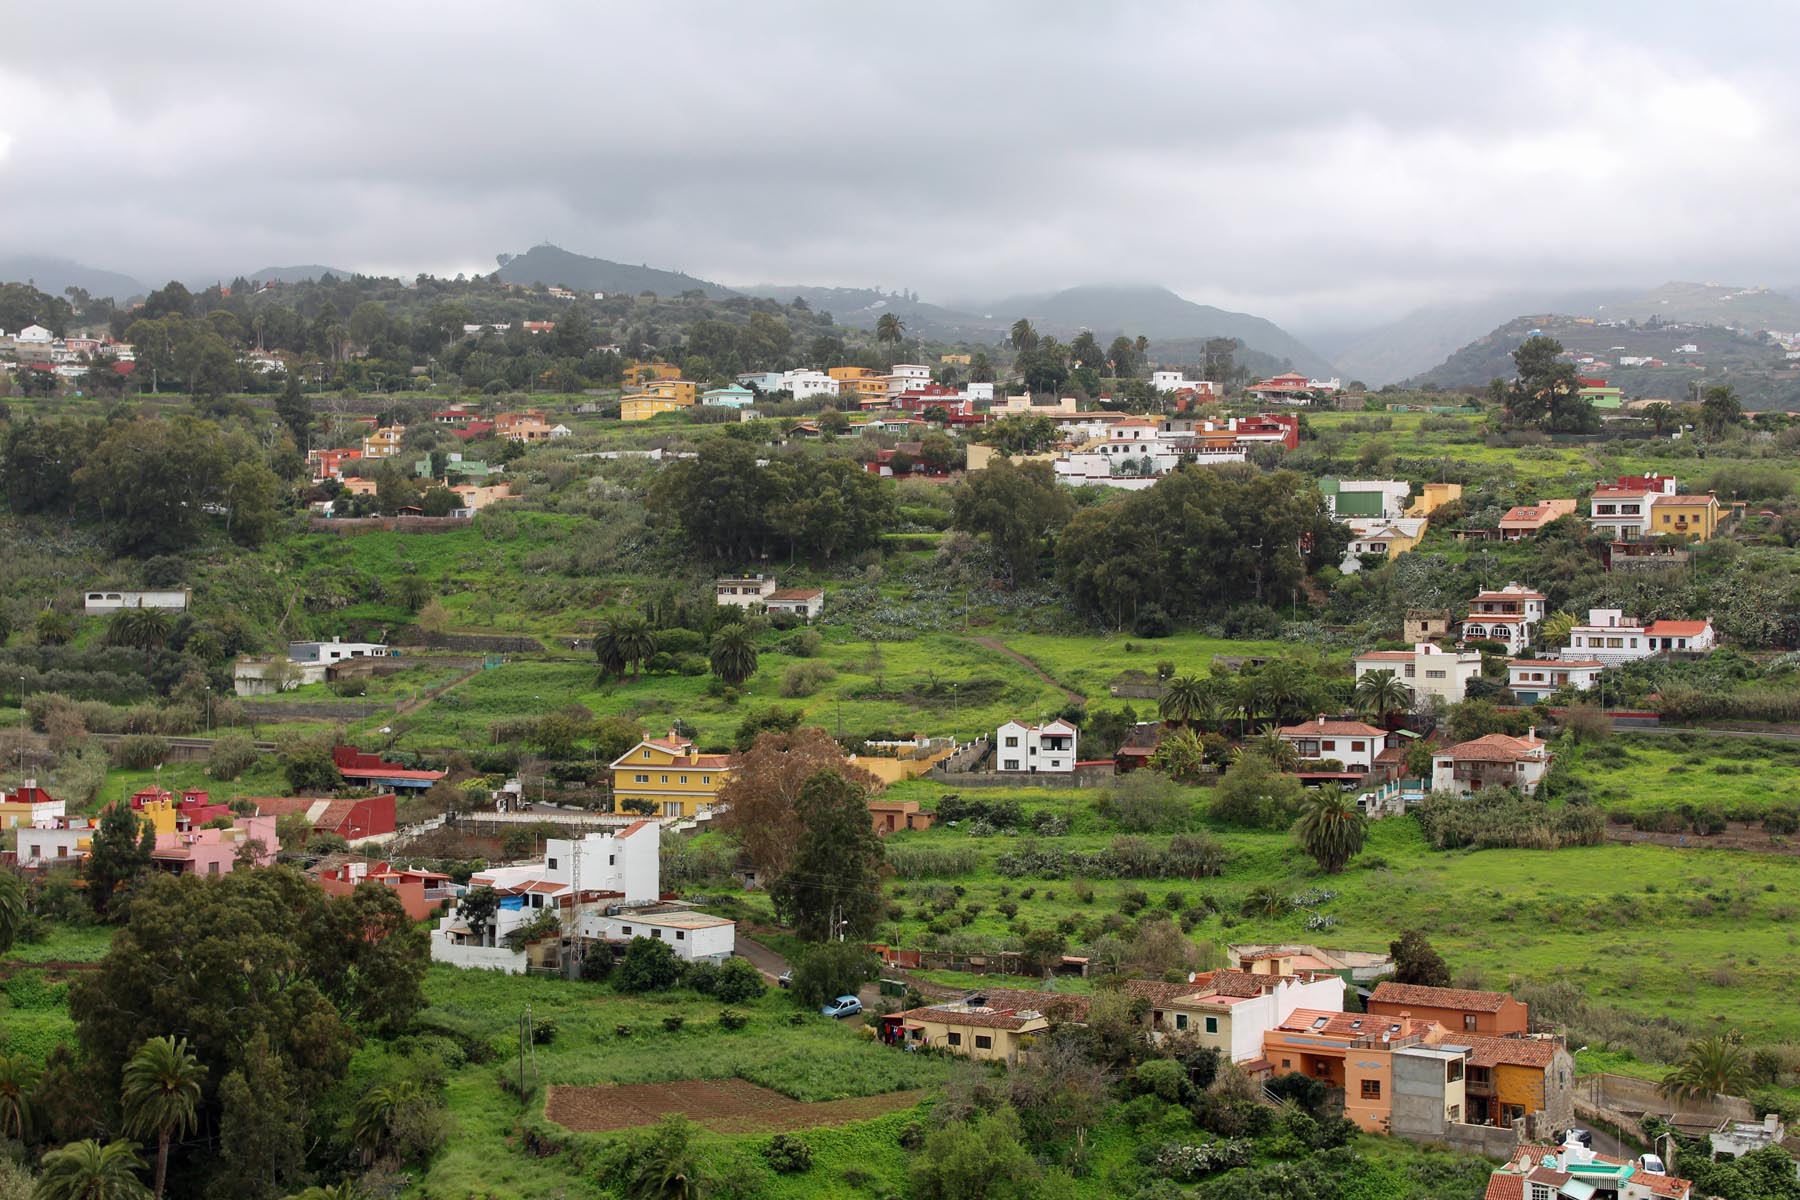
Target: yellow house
pixel 1695 517
pixel 859 383
pixel 643 406
pixel 686 391
pixel 647 372
pixel 384 442
pixel 669 775
pixel 954 360
pixel 1434 497
pixel 998 1023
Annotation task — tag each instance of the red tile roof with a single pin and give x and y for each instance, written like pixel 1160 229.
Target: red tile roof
pixel 1461 999
pixel 1663 1185
pixel 1677 628
pixel 1496 747
pixel 792 594
pixel 1536 1053
pixel 1502 1186
pixel 1326 727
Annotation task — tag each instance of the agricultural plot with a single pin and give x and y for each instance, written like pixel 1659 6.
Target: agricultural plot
pixel 721 1105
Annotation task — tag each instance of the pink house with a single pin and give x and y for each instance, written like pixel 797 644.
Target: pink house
pixel 214 851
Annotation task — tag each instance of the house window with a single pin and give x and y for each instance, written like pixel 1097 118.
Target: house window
pixel 1454 1113
pixel 1435 675
pixel 955 1039
pixel 641 778
pixel 212 868
pixel 705 779
pixel 1453 1071
pixel 1356 747
pixel 611 859
pixel 1371 1089
pixel 984 1042
pixel 646 754
pixel 1212 1024
pixel 1011 764
pixel 1328 745
pixel 625 931
pixel 1012 741
pixel 1181 1020
pixel 1469 1022
pixel 684 779
pixel 1285 1064
pixel 681 935
pixel 665 779
pixel 657 934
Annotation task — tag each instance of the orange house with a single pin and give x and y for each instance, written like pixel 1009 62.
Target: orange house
pixel 1458 1010
pixel 1352 1053
pixel 891 816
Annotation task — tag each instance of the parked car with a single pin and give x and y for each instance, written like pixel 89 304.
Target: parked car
pixel 1653 1164
pixel 843 1006
pixel 1578 1135
pixel 785 979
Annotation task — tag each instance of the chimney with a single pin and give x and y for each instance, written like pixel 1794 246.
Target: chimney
pixel 1772 1123
pixel 1531 733
pixel 1321 720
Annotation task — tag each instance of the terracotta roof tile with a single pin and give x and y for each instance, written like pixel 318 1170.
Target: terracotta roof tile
pixel 1502 1186
pixel 1537 1053
pixel 1495 747
pixel 1331 728
pixel 1461 999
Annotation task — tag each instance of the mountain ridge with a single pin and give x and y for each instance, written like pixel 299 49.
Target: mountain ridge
pixel 555 266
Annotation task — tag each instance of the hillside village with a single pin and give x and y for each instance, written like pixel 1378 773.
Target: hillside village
pixel 645 709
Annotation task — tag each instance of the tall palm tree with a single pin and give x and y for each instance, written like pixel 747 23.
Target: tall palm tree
pixel 1659 414
pixel 890 329
pixel 1281 754
pixel 18 1077
pixel 1282 691
pixel 1024 337
pixel 89 1171
pixel 1186 700
pixel 1332 829
pixel 12 909
pixel 1710 1066
pixel 161 1091
pixel 372 1120
pixel 732 654
pixel 146 629
pixel 1379 693
pixel 623 643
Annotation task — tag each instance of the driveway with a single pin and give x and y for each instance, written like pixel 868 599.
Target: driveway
pixel 761 957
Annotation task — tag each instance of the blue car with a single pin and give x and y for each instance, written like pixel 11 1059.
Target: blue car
pixel 843 1006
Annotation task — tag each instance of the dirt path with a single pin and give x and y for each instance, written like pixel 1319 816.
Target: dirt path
pixel 994 643
pixel 721 1105
pixel 429 694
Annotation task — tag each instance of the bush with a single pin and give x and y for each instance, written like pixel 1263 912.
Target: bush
pixel 1145 802
pixel 140 751
pixel 805 679
pixel 739 982
pixel 232 755
pixel 788 1154
pixel 732 1019
pixel 673 1023
pixel 648 965
pixel 830 970
pixel 702 977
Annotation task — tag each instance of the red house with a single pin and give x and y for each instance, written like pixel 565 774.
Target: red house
pixel 361 769
pixel 352 820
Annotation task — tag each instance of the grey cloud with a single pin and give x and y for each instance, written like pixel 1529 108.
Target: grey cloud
pixel 1318 163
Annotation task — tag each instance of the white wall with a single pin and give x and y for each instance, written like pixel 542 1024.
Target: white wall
pixel 481 958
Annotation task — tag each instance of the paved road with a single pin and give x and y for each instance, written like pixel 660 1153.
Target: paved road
pixel 761 957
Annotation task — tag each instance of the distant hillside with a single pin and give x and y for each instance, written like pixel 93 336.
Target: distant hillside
pixel 296 274
pixel 1159 315
pixel 1424 338
pixel 53 275
pixel 860 308
pixel 1758 370
pixel 1750 308
pixel 555 266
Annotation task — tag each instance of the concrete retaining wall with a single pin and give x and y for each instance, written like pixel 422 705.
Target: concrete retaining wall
pixel 476 643
pixel 303 710
pixel 1632 1096
pixel 478 958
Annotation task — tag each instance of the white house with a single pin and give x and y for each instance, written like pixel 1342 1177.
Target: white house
pixel 905 377
pixel 1534 679
pixel 1510 616
pixel 1621 510
pixel 602 870
pixel 1350 742
pixel 1496 760
pixel 762 381
pixel 336 650
pixel 735 396
pixel 1429 670
pixel 33 336
pixel 806 383
pixel 743 591
pixel 1176 381
pixel 1230 1010
pixel 806 603
pixel 1365 497
pixel 693 935
pixel 1035 749
pixel 174 599
pixel 1611 637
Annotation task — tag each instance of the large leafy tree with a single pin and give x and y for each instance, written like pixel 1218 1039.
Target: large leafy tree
pixel 86 1170
pixel 161 1096
pixel 150 482
pixel 1415 961
pixel 728 507
pixel 1331 829
pixel 832 886
pixel 1019 506
pixel 118 855
pixel 732 653
pixel 1546 390
pixel 763 793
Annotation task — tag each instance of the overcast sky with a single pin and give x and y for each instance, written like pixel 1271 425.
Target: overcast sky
pixel 1320 164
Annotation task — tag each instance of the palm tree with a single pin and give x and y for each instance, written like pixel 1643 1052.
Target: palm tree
pixel 665 1169
pixel 1379 693
pixel 89 1171
pixel 18 1076
pixel 1719 409
pixel 1282 754
pixel 1332 828
pixel 147 629
pixel 161 1088
pixel 624 643
pixel 1186 700
pixel 1710 1066
pixel 1265 900
pixel 1659 413
pixel 1024 337
pixel 1281 690
pixel 890 329
pixel 733 653
pixel 372 1120
pixel 12 909
pixel 1557 628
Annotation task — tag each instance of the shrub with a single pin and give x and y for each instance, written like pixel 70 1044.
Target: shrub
pixel 673 1022
pixel 648 965
pixel 140 751
pixel 805 679
pixel 732 1019
pixel 232 755
pixel 788 1154
pixel 739 982
pixel 702 977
